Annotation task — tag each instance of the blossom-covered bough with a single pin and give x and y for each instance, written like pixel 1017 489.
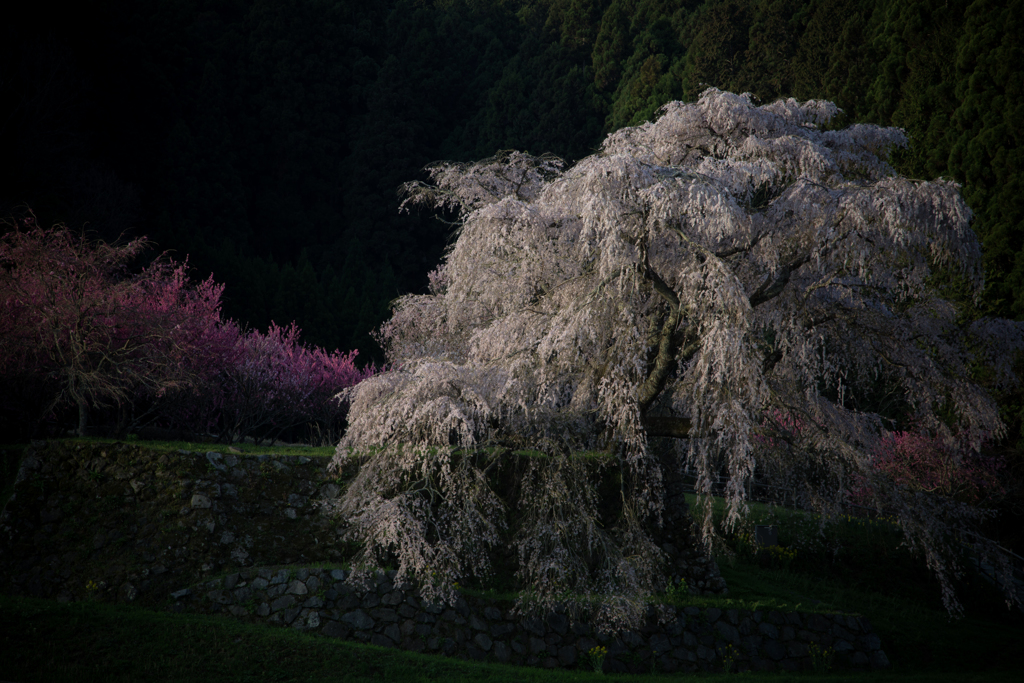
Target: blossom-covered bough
pixel 715 276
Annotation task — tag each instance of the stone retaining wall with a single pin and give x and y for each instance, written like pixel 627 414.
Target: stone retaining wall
pixel 120 523
pixel 674 639
pixel 135 524
pixel 139 523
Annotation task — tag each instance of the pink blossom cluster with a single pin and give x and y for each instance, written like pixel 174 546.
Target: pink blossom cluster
pixel 779 427
pixel 920 462
pixel 271 382
pixel 913 460
pixel 79 329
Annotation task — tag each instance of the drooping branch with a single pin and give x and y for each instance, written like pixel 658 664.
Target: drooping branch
pixel 660 286
pixel 775 355
pixel 772 287
pixel 740 248
pixel 663 363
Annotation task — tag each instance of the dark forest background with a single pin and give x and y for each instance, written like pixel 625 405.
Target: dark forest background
pixel 266 139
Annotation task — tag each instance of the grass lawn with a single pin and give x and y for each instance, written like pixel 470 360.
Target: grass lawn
pixel 238 447
pixel 42 640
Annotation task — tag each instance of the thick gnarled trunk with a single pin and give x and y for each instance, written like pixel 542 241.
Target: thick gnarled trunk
pixel 688 558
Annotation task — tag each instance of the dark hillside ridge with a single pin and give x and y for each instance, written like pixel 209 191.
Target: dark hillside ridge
pixel 268 141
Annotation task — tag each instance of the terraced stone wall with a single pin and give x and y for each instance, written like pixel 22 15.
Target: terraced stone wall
pixel 391 614
pixel 121 523
pixel 124 523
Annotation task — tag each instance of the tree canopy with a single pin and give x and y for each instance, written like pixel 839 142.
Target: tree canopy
pixel 742 276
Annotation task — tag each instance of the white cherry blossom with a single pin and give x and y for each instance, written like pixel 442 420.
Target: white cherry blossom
pixel 699 275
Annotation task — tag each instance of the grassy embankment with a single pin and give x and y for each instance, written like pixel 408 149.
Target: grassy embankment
pixel 853 565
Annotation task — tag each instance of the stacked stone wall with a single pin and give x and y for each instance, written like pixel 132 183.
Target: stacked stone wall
pixel 139 523
pixel 121 523
pixel 392 614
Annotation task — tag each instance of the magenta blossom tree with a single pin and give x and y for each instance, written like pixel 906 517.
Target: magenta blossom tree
pixel 275 383
pixel 204 345
pixel 83 330
pixel 920 462
pixel 243 383
pixel 75 319
pixel 701 273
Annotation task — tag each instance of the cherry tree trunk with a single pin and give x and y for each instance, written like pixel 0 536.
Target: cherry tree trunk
pixel 688 558
pixel 83 417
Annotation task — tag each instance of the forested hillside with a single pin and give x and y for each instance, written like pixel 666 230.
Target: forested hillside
pixel 267 139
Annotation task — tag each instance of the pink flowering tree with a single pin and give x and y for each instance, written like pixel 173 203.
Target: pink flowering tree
pixel 204 344
pixel 274 383
pixel 923 463
pixel 78 328
pixel 913 461
pixel 332 375
pixel 76 321
pixel 244 383
pixel 696 274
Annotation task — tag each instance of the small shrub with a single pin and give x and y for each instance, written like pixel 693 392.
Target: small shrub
pixel 921 462
pixel 595 658
pixel 728 654
pixel 677 592
pixel 775 556
pixel 821 659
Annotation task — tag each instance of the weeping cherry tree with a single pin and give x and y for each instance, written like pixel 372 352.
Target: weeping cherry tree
pixel 736 277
